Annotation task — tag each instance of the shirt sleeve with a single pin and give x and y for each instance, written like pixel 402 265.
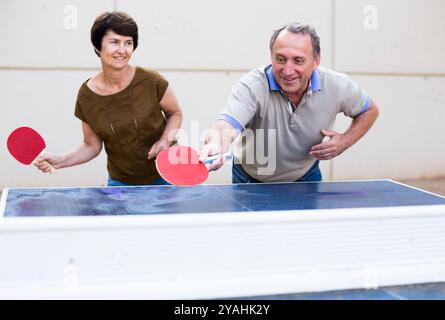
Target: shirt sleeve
pixel 78 109
pixel 161 86
pixel 355 101
pixel 241 105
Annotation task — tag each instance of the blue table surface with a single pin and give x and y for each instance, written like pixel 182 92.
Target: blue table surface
pixel 213 198
pixel 426 291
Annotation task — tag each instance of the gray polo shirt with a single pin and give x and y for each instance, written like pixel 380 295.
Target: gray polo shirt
pixel 276 136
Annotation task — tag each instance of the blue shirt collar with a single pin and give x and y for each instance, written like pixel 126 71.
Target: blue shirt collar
pixel 314 83
pixel 273 85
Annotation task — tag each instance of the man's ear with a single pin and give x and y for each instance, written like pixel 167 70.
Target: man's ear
pixel 316 61
pixel 97 52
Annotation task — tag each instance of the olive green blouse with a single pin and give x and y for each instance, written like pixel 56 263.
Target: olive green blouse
pixel 129 122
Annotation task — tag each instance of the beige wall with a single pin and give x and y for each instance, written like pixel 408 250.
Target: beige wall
pixel 203 47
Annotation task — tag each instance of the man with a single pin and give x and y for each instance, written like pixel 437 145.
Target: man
pixel 286 110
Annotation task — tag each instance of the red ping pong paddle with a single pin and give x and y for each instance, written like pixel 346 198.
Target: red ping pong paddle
pixel 25 145
pixel 180 166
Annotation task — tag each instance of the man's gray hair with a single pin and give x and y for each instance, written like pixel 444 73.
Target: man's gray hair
pixel 299 28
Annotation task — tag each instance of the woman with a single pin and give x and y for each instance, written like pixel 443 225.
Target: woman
pixel 123 107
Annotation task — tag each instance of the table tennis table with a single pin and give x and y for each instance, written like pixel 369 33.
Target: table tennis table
pixel 364 239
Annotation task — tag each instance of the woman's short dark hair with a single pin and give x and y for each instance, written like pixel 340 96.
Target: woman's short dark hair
pixel 119 22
